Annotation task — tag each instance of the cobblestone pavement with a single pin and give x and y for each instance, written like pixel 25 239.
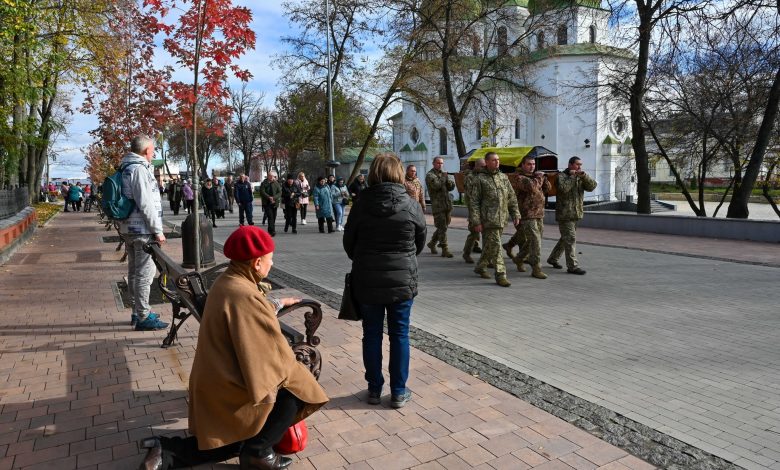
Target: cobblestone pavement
pixel 662 330
pixel 78 387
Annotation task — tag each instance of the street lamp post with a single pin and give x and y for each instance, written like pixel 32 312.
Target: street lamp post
pixel 331 143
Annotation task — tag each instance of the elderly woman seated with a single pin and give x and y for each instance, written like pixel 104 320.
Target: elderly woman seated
pixel 246 388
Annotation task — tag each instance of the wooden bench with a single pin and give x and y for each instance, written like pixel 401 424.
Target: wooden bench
pixel 187 292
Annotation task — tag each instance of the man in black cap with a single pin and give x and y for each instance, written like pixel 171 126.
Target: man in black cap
pixel 291 193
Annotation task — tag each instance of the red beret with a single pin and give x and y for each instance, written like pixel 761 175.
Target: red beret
pixel 248 242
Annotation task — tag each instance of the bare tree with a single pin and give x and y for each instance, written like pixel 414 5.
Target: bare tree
pixel 246 128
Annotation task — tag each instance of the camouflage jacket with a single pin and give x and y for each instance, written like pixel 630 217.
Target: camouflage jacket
pixel 571 188
pixel 530 194
pixel 439 187
pixel 491 199
pixel 415 190
pixel 468 180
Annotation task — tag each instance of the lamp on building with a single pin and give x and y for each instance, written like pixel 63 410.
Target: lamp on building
pixel 542 136
pixel 587 143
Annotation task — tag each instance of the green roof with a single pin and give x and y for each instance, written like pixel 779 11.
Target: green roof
pixel 541 6
pixel 627 141
pixel 405 148
pixel 421 148
pixel 509 156
pixel 350 154
pixel 157 162
pixel 610 140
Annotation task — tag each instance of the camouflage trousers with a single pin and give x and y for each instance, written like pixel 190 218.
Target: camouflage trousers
pixel 440 220
pixel 567 243
pixel 531 251
pixel 472 240
pixel 518 239
pixel 491 251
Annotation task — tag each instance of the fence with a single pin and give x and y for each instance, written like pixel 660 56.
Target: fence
pixel 12 201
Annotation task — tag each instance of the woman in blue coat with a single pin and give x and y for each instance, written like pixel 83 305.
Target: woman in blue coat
pixel 323 204
pixel 75 196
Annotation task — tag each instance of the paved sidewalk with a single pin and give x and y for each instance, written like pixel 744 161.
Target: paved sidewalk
pixel 78 387
pixel 664 330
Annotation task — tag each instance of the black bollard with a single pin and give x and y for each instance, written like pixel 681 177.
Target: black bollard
pixel 188 242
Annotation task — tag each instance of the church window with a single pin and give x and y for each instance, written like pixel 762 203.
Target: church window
pixel 479 130
pixel 651 167
pixel 563 35
pixel 442 141
pixel 502 47
pixel 619 125
pixel 517 129
pixel 592 31
pixel 540 40
pixel 414 134
pixel 475 45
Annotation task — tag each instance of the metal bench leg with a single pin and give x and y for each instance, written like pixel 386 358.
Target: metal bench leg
pixel 170 339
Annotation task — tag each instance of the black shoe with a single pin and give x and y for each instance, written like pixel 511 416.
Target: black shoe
pixel 273 234
pixel 477 249
pixel 268 460
pixel 214 225
pixel 555 264
pixel 251 223
pixel 374 398
pixel 576 270
pixel 153 459
pixel 295 231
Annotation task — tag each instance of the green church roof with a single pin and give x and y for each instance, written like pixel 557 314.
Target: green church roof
pixel 421 148
pixel 541 6
pixel 405 148
pixel 610 140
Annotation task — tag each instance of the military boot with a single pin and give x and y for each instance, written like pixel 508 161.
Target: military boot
pixel 520 265
pixel 467 258
pixel 432 246
pixel 482 273
pixel 508 248
pixel 445 252
pixel 502 281
pixel 536 271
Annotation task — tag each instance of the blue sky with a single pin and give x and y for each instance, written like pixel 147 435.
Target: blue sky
pixel 269 25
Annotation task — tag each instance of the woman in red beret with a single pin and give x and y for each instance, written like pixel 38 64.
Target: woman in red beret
pixel 246 388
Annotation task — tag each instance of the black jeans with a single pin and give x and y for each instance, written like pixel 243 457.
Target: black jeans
pixel 183 452
pixel 270 211
pixel 303 211
pixel 290 217
pixel 321 222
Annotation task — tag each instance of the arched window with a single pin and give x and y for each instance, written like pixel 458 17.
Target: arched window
pixel 442 141
pixel 592 31
pixel 517 129
pixel 563 35
pixel 479 130
pixel 475 45
pixel 540 40
pixel 502 40
pixel 414 134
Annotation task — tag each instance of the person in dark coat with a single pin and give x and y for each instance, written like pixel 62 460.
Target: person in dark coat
pixel 210 201
pixel 385 232
pixel 357 186
pixel 291 193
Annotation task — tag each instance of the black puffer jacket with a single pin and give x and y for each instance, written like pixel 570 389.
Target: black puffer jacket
pixel 385 232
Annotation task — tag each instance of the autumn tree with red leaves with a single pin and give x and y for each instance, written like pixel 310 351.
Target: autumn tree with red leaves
pixel 129 96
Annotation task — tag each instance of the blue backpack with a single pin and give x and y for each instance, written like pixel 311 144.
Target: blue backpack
pixel 115 205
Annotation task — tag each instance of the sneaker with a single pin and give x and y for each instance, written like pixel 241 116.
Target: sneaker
pixel 374 398
pixel 399 401
pixel 151 324
pixel 303 222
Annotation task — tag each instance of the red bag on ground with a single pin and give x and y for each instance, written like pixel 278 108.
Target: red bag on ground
pixel 294 439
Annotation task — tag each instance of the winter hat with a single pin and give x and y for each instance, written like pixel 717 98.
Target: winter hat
pixel 290 176
pixel 248 242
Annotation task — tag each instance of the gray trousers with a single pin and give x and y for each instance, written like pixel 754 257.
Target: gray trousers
pixel 140 273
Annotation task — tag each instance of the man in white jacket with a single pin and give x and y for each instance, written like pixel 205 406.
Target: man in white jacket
pixel 143 225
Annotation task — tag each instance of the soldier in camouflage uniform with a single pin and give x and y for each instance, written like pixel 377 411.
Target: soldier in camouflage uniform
pixel 413 186
pixel 439 187
pixel 572 184
pixel 531 187
pixel 472 240
pixel 491 198
pixel 518 239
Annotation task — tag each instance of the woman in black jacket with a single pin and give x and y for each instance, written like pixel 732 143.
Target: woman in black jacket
pixel 385 232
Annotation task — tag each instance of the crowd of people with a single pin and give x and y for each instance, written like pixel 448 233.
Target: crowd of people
pixel 77 196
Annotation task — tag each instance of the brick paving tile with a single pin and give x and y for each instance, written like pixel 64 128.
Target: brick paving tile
pixel 601 453
pixel 579 462
pixel 79 391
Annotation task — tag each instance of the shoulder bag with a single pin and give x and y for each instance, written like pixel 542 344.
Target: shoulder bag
pixel 349 308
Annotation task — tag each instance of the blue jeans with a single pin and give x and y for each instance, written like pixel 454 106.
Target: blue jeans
pixel 398 329
pixel 245 208
pixel 338 210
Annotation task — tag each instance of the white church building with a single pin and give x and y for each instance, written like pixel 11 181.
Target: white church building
pixel 571 66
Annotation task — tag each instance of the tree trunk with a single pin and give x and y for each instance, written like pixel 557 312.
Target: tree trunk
pixel 738 208
pixel 637 106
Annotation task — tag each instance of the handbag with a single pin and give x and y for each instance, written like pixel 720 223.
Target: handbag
pixel 294 440
pixel 349 309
